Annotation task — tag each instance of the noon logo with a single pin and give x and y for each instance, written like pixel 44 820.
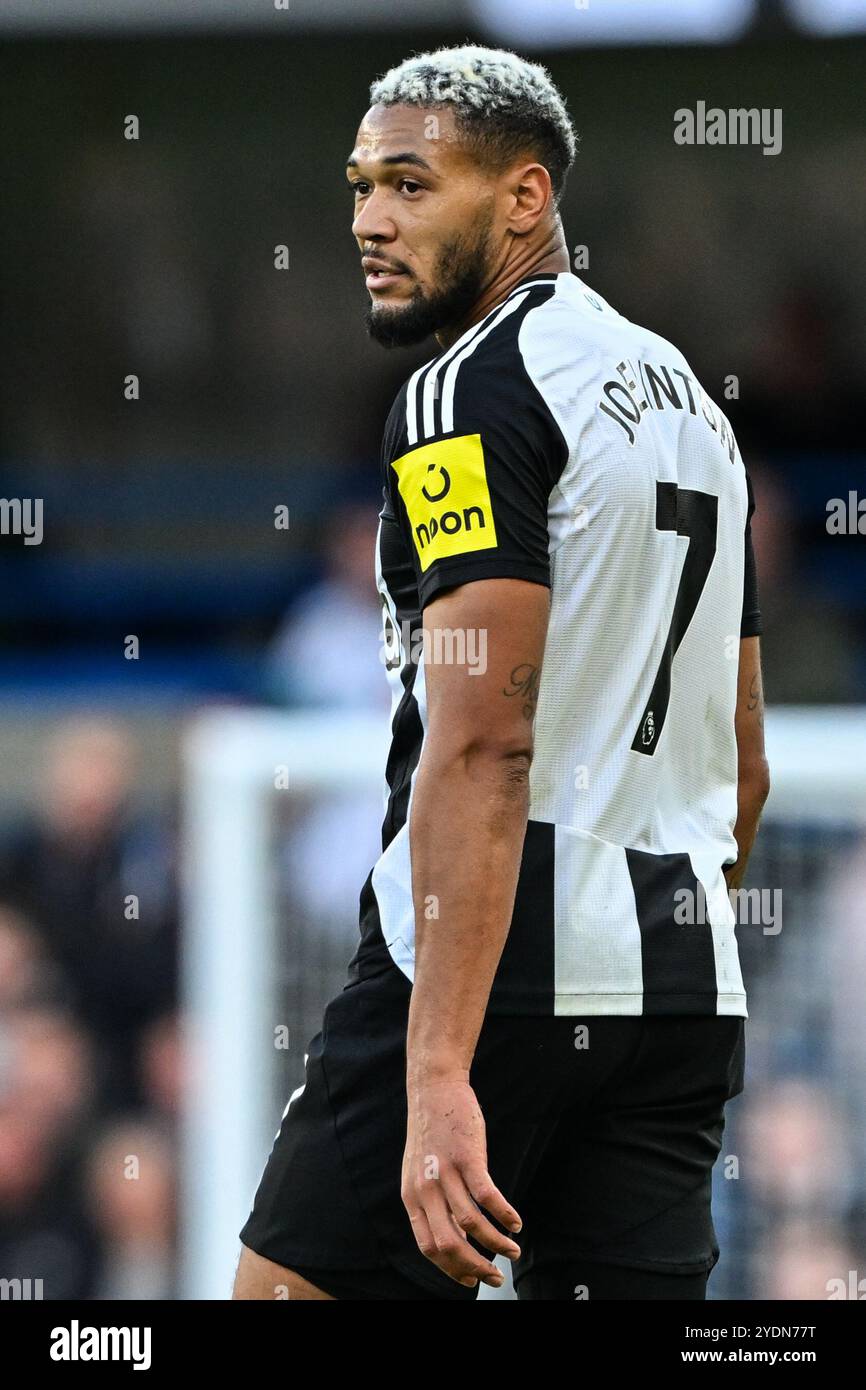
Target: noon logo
pixel 446 484
pixel 444 488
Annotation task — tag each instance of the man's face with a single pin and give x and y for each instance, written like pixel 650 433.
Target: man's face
pixel 424 222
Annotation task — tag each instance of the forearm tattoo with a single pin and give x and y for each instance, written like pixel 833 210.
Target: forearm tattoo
pixel 755 700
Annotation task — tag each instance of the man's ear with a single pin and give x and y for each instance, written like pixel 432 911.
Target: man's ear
pixel 532 194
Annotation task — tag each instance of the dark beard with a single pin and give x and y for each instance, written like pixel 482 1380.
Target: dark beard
pixel 461 270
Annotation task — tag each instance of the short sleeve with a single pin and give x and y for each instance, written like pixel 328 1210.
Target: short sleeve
pixel 751 620
pixel 474 490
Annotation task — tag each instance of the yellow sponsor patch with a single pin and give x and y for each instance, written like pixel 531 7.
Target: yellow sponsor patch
pixel 444 487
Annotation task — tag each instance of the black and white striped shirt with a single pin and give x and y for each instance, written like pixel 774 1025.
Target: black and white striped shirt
pixel 558 442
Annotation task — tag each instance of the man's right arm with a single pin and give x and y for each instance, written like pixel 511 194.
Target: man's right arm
pixel 753 773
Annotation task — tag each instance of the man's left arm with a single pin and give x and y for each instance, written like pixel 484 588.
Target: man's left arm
pixel 468 820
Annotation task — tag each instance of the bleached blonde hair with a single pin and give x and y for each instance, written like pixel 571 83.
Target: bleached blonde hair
pixel 503 104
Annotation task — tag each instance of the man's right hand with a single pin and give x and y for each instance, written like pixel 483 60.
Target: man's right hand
pixel 446 1182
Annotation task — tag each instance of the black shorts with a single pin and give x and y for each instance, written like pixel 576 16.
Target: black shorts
pixel 604 1140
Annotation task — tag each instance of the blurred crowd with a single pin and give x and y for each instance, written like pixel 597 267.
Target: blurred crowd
pixel 790 1185
pixel 90 1037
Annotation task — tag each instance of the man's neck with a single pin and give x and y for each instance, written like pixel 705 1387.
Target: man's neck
pixel 552 258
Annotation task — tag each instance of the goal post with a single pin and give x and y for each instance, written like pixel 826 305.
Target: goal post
pixel 234 760
pixel 236 763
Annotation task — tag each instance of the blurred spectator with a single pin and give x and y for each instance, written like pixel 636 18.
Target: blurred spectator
pixel 131 1193
pixel 803 393
pixel 328 651
pixel 162 1066
pixel 25 970
pixel 845 929
pixel 798 618
pixel 46 1090
pixel 93 871
pixel 328 655
pixel 50 1077
pixel 796 1149
pixel 801 1261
